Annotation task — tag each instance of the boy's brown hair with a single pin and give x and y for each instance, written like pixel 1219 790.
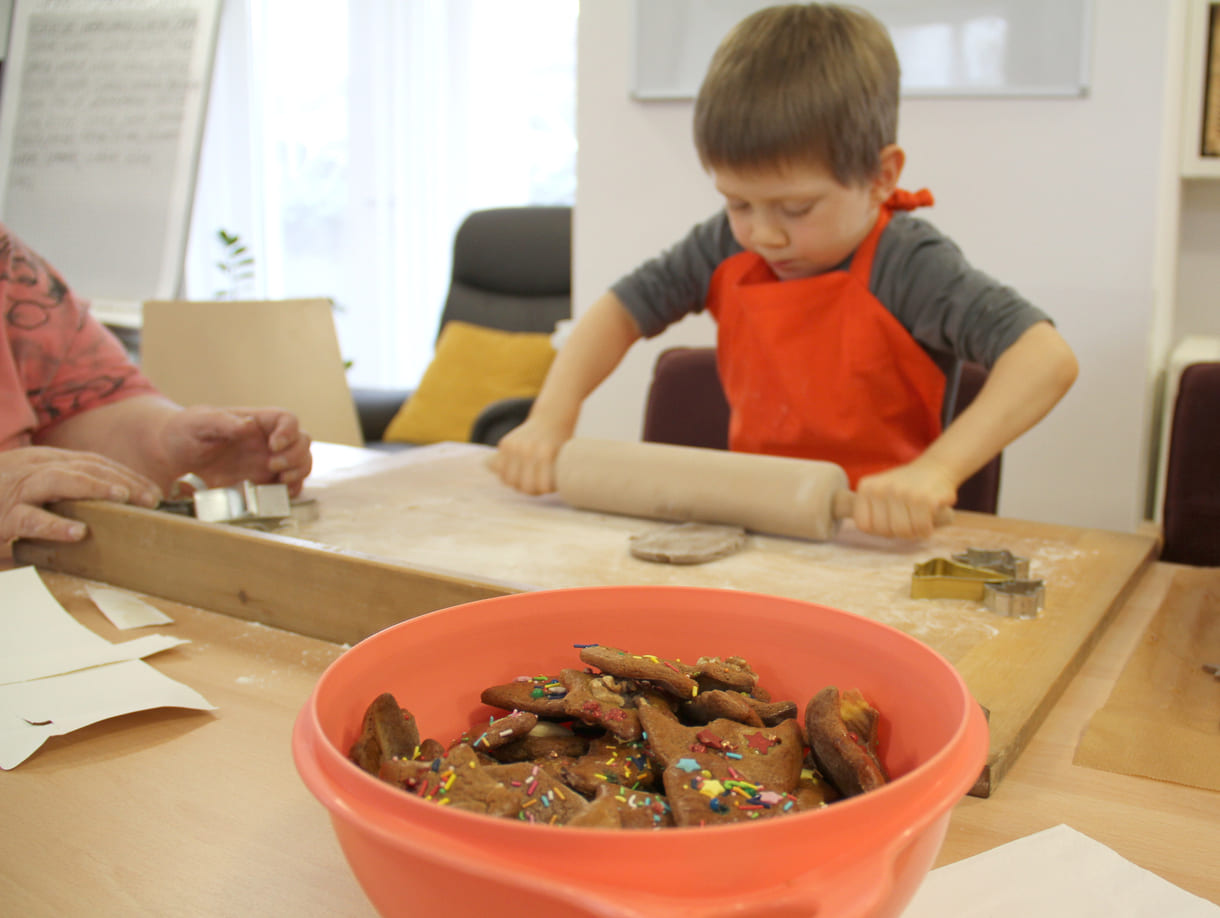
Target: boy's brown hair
pixel 800 84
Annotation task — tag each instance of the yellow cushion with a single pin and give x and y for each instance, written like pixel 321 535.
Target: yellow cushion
pixel 473 366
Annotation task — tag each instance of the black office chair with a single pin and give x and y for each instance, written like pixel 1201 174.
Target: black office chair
pixel 686 406
pixel 512 270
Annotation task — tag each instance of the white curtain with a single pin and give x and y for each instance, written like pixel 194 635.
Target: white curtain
pixel 347 139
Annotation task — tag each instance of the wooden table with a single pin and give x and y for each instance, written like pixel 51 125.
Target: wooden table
pixel 187 813
pixel 202 814
pixel 432 527
pixel 175 813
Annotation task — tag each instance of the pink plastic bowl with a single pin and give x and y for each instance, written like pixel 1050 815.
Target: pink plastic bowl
pixel 860 857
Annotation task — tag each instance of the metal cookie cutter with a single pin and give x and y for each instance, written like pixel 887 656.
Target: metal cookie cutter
pixel 943 579
pixel 996 579
pixel 247 502
pixel 244 503
pixel 1000 560
pixel 1015 598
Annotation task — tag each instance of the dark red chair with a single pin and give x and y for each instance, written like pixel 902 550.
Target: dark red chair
pixel 686 407
pixel 1191 513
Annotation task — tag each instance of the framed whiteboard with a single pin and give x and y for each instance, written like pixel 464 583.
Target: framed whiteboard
pixel 6 16
pixel 101 116
pixel 945 47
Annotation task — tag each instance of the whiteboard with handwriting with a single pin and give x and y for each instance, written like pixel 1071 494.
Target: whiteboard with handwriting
pixel 101 115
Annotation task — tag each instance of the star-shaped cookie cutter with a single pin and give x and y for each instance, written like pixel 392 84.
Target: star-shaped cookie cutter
pixel 1000 559
pixel 996 578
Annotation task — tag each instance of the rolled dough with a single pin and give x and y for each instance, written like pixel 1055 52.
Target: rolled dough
pixel 688 543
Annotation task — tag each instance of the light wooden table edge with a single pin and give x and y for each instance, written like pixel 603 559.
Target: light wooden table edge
pixel 1012 747
pixel 1169 829
pixel 250 574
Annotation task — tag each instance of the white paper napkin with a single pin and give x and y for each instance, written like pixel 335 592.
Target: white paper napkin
pixel 1057 873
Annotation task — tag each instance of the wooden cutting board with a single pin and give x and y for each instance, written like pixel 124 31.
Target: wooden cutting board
pixel 432 527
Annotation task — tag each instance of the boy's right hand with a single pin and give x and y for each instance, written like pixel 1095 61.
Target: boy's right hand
pixel 904 502
pixel 526 456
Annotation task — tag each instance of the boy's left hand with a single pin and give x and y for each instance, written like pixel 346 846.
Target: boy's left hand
pixel 228 445
pixel 905 501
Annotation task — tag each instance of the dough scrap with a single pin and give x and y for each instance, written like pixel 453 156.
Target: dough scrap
pixel 688 543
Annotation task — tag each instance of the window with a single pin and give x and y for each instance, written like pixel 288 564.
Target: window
pixel 347 139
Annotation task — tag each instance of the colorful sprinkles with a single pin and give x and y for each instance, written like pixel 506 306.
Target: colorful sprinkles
pixel 722 771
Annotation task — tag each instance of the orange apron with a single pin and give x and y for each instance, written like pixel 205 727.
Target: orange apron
pixel 817 368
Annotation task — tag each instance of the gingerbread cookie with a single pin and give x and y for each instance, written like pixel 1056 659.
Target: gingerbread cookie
pixel 606 701
pixel 546 740
pixel 636 741
pixel 813 790
pixel 430 749
pixel 717 704
pixel 679 679
pixel 842 733
pixel 388 731
pixel 541 695
pixel 731 673
pixel 767 756
pixel 772 712
pixel 671 675
pixel 617 808
pixel 737 706
pixel 707 790
pixel 613 762
pixel 520 790
pixel 500 731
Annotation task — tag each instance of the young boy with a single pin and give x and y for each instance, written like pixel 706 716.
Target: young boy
pixel 829 297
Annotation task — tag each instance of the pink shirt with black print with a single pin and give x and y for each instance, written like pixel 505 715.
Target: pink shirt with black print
pixel 56 360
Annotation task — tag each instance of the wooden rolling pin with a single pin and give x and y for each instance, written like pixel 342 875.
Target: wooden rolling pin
pixel 767 494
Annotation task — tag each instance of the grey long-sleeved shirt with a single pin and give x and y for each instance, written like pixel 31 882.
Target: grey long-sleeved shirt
pixel 919 275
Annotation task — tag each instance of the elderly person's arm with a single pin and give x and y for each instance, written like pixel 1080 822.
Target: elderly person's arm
pixel 78 420
pixel 164 441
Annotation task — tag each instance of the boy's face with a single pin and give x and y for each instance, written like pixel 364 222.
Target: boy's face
pixel 799 219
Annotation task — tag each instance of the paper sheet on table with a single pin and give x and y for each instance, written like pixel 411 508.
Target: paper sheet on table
pixel 60 660
pixel 32 712
pixel 125 610
pixel 1162 720
pixel 57 676
pixel 1058 873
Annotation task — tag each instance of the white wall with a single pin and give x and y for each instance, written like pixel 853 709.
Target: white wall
pixel 1058 197
pixel 1198 294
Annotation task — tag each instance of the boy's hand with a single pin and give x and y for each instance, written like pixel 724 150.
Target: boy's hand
pixel 228 445
pixel 594 347
pixel 903 502
pixel 526 456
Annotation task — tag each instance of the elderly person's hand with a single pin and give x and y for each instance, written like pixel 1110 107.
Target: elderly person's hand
pixel 228 445
pixel 32 476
